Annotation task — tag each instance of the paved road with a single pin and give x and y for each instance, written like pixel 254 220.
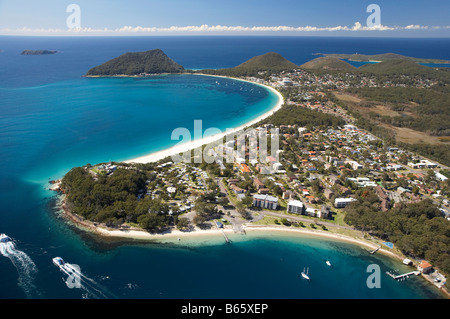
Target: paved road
pixel 302 219
pixel 236 220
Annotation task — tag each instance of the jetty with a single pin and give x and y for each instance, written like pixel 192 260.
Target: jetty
pixel 220 226
pixel 416 272
pixel 226 237
pixel 375 250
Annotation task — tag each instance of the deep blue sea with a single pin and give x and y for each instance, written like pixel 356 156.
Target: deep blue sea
pixel 52 118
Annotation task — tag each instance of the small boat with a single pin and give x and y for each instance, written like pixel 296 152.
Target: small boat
pixel 305 274
pixel 58 261
pixel 4 238
pixel 328 263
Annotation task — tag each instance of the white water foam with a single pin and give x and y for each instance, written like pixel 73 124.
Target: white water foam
pixel 26 268
pixel 90 286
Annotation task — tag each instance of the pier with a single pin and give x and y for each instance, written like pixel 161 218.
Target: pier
pixel 416 272
pixel 226 237
pixel 375 250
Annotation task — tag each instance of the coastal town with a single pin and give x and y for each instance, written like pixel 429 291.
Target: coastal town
pixel 306 184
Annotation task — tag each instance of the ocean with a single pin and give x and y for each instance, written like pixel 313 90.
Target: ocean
pixel 52 119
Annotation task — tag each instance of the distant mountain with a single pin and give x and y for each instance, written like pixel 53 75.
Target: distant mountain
pixel 270 62
pixel 135 63
pixel 326 64
pixel 38 52
pixel 382 58
pixel 405 67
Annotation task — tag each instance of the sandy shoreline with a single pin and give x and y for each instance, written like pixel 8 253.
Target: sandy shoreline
pixel 213 235
pixel 156 156
pixel 217 236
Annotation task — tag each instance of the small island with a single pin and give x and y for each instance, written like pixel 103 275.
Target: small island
pixel 38 52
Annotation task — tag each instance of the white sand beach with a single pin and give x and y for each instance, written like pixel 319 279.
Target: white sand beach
pixel 215 235
pixel 180 148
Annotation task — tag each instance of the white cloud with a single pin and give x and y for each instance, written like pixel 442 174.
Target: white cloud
pixel 202 29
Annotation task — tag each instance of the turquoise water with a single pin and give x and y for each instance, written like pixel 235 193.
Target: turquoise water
pixel 51 119
pixel 89 120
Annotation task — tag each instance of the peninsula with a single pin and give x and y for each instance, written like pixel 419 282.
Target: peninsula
pixel 381 58
pixel 341 172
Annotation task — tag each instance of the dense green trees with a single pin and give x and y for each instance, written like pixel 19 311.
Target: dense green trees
pixel 113 199
pixel 292 114
pixel 269 63
pixel 417 229
pixel 431 107
pixel 135 63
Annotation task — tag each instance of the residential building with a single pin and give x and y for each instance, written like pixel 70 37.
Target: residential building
pixel 295 206
pixel 258 184
pixel 328 193
pixel 236 189
pixel 343 202
pixel 424 267
pixel 324 212
pixel 265 201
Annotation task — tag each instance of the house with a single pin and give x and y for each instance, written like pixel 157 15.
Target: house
pixel 440 177
pixel 402 190
pixel 325 212
pixel 245 168
pixel 355 165
pixel 344 190
pixel 333 180
pixel 265 201
pixel 258 184
pixel 343 202
pixel 296 207
pixel 171 190
pixel 328 193
pixel 236 189
pixel 277 167
pixel 263 191
pixel 424 267
pixel 422 164
pixel 288 194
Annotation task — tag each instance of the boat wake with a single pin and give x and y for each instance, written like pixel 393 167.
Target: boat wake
pixel 76 279
pixel 26 268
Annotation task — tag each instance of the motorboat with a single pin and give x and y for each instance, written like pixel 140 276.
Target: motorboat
pixel 328 263
pixel 58 261
pixel 305 273
pixel 4 238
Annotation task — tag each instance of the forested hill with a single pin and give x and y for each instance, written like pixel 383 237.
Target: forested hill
pixel 271 62
pixel 381 57
pixel 135 63
pixel 327 64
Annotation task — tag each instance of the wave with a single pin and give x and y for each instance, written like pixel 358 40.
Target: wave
pixel 76 279
pixel 26 268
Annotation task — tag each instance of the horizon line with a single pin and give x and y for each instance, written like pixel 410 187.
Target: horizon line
pixel 205 29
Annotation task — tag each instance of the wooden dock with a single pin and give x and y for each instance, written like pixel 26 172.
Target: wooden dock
pixel 226 237
pixel 375 250
pixel 416 272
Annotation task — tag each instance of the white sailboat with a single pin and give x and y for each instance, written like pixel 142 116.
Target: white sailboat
pixel 305 274
pixel 328 263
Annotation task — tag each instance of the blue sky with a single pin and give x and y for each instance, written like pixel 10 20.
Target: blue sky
pixel 319 17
